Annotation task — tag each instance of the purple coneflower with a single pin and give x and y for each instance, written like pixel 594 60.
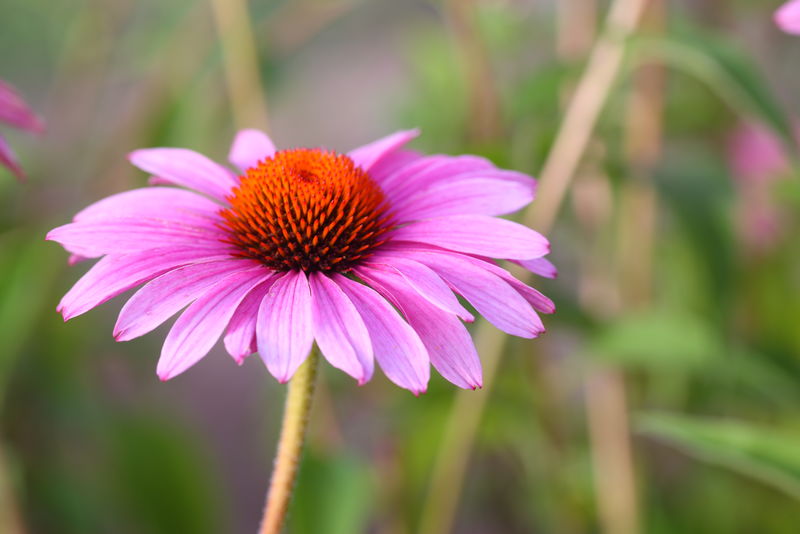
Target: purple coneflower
pixel 362 253
pixel 787 17
pixel 15 112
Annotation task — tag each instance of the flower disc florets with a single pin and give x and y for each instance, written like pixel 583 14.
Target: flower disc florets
pixel 309 210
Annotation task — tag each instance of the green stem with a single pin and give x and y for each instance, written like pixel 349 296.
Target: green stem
pixel 290 445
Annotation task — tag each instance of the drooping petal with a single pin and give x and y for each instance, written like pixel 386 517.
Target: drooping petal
pixel 495 299
pixel 186 168
pixel 240 338
pixel 447 341
pixel 9 160
pixel 113 275
pixel 168 294
pixel 339 330
pixel 397 347
pixel 14 110
pixel 423 280
pixel 787 17
pixel 201 325
pixel 151 202
pixel 477 234
pixel 249 148
pixel 284 326
pixel 393 162
pixel 368 155
pixel 540 266
pixel 121 236
pixel 468 196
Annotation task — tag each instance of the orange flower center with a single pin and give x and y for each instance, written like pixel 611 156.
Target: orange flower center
pixel 307 209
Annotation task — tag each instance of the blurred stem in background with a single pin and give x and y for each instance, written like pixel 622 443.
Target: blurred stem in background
pixel 566 153
pixel 485 116
pixel 607 407
pixel 240 62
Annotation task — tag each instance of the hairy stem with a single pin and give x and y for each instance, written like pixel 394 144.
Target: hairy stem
pixel 290 445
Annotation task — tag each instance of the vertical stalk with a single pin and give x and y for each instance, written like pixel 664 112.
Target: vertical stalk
pixel 290 444
pixel 240 63
pixel 485 121
pixel 571 143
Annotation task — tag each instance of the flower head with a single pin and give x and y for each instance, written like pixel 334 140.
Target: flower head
pixel 787 17
pixel 362 253
pixel 15 112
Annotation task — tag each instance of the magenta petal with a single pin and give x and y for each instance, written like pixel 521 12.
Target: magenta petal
pixel 787 17
pixel 240 338
pixel 121 236
pixel 423 280
pixel 14 110
pixel 492 297
pixel 470 196
pixel 340 331
pixel 448 342
pixel 392 163
pixel 430 171
pixel 168 294
pixel 200 326
pixel 114 274
pixel 368 155
pixel 540 266
pixel 9 160
pixel 477 234
pixel 158 202
pixel 284 327
pixel 397 347
pixel 186 168
pixel 249 148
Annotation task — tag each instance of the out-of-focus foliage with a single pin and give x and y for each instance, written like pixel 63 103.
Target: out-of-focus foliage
pixel 94 443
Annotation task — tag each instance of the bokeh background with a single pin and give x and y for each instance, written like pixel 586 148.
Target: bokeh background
pixel 665 396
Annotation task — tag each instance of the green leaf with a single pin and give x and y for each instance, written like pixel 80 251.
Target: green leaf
pixel 726 69
pixel 333 495
pixel 657 339
pixel 769 455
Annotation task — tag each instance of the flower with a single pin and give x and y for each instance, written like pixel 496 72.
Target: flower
pixel 15 112
pixel 360 252
pixel 787 17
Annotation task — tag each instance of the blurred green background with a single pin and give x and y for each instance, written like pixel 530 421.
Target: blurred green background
pixel 665 396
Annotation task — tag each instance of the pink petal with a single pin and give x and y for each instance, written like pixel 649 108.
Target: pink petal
pixel 284 327
pixel 186 168
pixel 787 17
pixel 469 196
pixel 9 160
pixel 121 236
pixel 158 202
pixel 392 163
pixel 249 148
pixel 429 171
pixel 397 347
pixel 14 110
pixel 113 275
pixel 492 297
pixel 339 330
pixel 368 155
pixel 423 280
pixel 477 234
pixel 448 342
pixel 240 339
pixel 540 266
pixel 168 294
pixel 200 326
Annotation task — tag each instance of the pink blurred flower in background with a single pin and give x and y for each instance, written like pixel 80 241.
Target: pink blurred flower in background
pixel 758 160
pixel 15 112
pixel 787 17
pixel 361 253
